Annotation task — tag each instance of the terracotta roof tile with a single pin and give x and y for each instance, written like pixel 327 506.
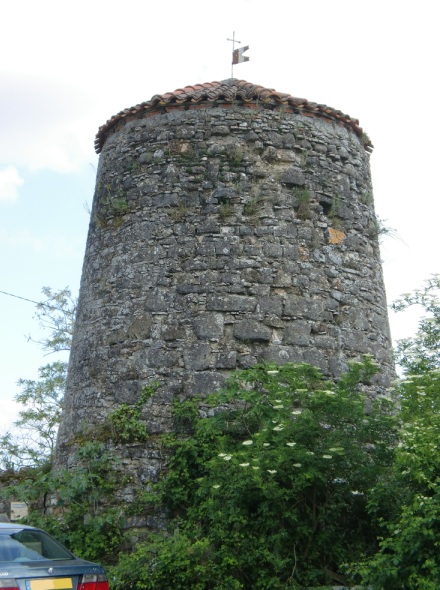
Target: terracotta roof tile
pixel 225 91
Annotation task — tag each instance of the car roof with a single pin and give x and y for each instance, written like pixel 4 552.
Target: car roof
pixel 15 525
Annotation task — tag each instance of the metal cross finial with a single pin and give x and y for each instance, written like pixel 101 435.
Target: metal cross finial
pixel 234 41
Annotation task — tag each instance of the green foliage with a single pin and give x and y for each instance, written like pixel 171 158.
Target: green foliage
pixel 226 210
pixel 56 314
pixel 377 228
pixel 112 204
pixel 178 213
pixel 236 155
pixel 86 504
pixel 304 157
pixel 185 415
pixel 421 352
pixel 125 422
pixel 32 440
pixel 410 536
pixel 86 515
pixel 264 491
pixel 283 480
pixel 303 198
pixel 252 206
pixel 366 142
pixel 172 561
pixel 336 205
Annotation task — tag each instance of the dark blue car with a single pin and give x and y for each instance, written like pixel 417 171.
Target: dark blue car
pixel 30 559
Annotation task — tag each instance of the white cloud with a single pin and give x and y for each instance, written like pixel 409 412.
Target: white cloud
pixel 44 123
pixel 10 181
pixel 55 244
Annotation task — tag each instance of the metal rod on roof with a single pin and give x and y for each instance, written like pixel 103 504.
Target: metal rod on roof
pixel 234 41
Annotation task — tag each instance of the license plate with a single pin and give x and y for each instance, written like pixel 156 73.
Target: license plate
pixel 52 584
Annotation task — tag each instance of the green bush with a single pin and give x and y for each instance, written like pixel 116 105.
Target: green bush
pixel 271 489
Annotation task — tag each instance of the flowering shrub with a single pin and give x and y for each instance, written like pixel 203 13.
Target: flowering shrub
pixel 273 484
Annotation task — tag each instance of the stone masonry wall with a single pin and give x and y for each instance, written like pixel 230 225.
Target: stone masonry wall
pixel 221 237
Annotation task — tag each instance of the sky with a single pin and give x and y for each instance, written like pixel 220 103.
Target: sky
pixel 66 67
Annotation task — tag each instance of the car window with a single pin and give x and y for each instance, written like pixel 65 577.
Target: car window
pixel 31 545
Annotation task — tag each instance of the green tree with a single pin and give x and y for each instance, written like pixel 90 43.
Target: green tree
pixel 31 442
pixel 270 489
pixel 86 512
pixel 408 555
pixel 422 351
pixel 56 314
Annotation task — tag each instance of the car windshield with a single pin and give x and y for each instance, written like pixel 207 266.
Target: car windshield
pixel 31 545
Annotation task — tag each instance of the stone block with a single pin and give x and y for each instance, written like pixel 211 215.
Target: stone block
pixel 158 300
pixel 297 332
pixel 204 383
pixel 159 357
pixel 293 176
pixel 271 305
pixel 171 332
pixel 251 330
pixel 209 326
pixel 230 303
pixel 197 356
pixel 282 354
pixel 303 307
pixel 226 360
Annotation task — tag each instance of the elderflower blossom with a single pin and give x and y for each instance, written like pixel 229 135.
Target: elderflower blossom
pixel 297 465
pixel 327 457
pixel 247 442
pixel 272 372
pixel 266 444
pixel 216 486
pixel 227 457
pixel 279 407
pixel 296 412
pixel 271 471
pixel 244 464
pixel 278 428
pixel 291 444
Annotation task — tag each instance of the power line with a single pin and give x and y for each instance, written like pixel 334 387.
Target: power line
pixel 31 301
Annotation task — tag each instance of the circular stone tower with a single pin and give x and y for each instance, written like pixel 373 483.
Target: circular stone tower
pixel 231 224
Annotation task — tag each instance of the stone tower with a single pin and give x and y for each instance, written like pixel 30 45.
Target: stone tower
pixel 231 224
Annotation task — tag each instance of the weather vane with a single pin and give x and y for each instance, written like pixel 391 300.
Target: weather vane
pixel 237 54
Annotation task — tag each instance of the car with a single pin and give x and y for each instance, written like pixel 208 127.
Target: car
pixel 31 559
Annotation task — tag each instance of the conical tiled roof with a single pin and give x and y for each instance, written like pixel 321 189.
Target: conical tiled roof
pixel 224 92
